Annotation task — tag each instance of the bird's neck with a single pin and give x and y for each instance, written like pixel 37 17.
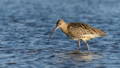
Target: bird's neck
pixel 64 28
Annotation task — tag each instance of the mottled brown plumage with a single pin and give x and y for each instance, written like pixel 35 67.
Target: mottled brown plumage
pixel 79 31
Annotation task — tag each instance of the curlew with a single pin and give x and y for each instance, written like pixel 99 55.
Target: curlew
pixel 78 31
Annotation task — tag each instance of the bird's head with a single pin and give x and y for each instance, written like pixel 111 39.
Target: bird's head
pixel 59 24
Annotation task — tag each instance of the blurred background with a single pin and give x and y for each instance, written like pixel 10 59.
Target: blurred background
pixel 24 27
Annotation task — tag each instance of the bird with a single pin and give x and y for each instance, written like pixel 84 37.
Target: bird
pixel 78 31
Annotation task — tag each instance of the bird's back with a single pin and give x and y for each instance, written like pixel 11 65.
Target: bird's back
pixel 83 31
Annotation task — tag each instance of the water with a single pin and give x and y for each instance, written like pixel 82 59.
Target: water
pixel 24 41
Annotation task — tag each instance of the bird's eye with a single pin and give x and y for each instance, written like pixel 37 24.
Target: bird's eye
pixel 59 23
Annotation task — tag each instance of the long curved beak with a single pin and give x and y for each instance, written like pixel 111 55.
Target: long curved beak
pixel 52 31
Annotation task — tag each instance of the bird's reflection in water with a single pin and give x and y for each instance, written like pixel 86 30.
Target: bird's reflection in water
pixel 79 56
pixel 83 56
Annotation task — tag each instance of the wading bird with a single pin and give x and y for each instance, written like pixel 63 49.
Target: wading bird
pixel 78 31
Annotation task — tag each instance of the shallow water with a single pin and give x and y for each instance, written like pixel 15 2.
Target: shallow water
pixel 24 27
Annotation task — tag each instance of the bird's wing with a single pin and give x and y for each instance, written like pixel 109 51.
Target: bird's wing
pixel 79 29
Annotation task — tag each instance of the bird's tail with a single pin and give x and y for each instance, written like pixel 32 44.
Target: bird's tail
pixel 99 33
pixel 102 33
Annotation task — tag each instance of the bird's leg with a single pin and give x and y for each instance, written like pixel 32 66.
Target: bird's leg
pixel 78 44
pixel 87 45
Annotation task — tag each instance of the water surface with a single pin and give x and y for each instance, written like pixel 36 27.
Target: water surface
pixel 24 41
